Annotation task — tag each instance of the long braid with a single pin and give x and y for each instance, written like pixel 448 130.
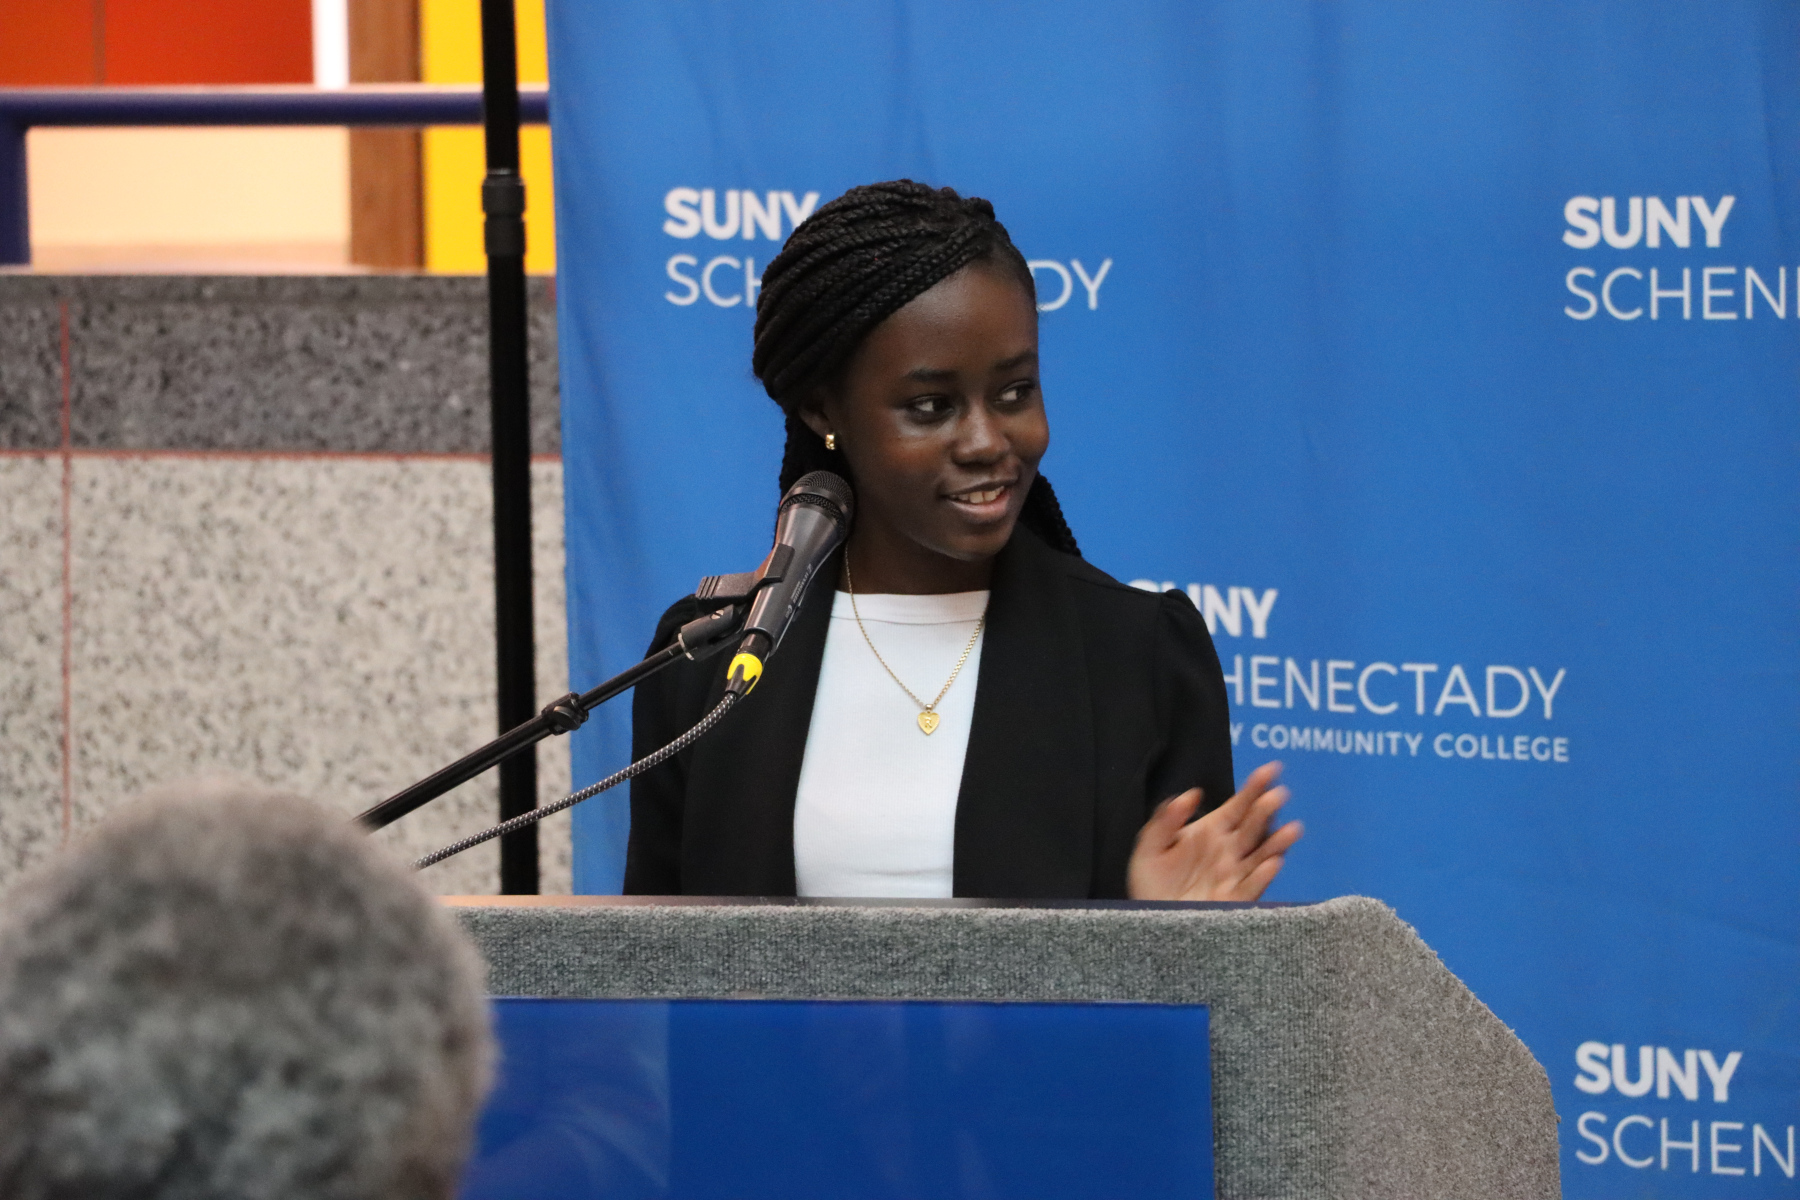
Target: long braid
pixel 1044 517
pixel 847 268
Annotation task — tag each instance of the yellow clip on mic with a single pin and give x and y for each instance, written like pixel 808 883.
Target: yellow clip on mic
pixel 745 670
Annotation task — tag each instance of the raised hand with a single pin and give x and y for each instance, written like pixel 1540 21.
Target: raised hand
pixel 1229 854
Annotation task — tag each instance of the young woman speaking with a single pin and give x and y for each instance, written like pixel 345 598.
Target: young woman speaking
pixel 963 706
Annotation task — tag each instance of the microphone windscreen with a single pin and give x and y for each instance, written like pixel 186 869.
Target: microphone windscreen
pixel 826 490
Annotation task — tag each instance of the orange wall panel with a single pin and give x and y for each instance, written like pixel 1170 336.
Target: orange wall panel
pixel 208 41
pixel 48 42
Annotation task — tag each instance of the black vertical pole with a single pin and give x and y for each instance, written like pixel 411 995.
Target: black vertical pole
pixel 15 205
pixel 503 200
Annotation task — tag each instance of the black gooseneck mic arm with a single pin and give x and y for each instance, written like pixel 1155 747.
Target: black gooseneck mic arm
pixel 698 639
pixel 813 520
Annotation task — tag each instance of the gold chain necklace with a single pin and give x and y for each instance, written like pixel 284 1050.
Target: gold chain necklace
pixel 928 718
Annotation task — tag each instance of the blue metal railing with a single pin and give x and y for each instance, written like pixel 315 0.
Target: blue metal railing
pixel 22 109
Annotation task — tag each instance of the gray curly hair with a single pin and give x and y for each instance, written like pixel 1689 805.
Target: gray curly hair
pixel 227 993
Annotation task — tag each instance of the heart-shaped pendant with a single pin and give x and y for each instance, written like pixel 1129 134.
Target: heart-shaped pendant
pixel 928 723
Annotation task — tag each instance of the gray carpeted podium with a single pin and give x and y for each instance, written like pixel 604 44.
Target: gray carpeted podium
pixel 1347 1061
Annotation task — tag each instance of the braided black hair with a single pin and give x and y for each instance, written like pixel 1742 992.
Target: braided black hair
pixel 846 269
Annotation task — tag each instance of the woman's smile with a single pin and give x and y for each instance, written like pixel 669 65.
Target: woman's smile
pixel 985 502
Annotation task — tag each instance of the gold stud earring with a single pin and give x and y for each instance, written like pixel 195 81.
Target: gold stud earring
pixel 831 441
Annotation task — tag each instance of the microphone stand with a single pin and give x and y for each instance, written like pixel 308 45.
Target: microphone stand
pixel 503 203
pixel 726 601
pixel 698 639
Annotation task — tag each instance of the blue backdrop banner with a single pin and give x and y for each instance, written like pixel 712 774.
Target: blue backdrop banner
pixel 1446 355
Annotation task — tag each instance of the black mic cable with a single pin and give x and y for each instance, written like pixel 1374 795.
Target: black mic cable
pixel 570 801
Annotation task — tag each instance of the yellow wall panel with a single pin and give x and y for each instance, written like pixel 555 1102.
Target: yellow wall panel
pixel 450 52
pixel 540 211
pixel 454 164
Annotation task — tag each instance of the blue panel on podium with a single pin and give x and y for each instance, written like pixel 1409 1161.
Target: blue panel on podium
pixel 795 1100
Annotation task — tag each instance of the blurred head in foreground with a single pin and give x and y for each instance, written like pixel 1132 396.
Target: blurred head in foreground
pixel 226 993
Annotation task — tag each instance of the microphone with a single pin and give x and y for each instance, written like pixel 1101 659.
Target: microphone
pixel 812 522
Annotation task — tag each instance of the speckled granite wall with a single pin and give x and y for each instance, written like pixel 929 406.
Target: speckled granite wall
pixel 245 526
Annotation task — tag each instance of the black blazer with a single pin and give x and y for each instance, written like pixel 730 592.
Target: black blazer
pixel 1094 702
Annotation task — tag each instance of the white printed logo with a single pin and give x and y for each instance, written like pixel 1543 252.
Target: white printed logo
pixel 742 214
pixel 1684 1142
pixel 1396 690
pixel 1628 292
pixel 1585 233
pixel 1604 1067
pixel 695 211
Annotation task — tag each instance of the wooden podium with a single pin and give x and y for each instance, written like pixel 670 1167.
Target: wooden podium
pixel 1346 1060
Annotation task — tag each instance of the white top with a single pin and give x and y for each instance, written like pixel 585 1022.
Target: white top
pixel 875 813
